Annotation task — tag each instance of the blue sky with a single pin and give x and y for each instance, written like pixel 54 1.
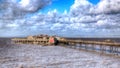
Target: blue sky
pixel 62 5
pixel 83 19
pixel 94 1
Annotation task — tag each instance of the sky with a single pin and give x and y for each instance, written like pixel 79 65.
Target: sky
pixel 66 18
pixel 94 1
pixel 60 5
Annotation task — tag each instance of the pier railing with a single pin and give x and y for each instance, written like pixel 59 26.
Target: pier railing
pixel 99 46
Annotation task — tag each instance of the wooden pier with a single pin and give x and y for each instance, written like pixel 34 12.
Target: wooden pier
pixel 98 46
pixel 36 40
pixel 106 46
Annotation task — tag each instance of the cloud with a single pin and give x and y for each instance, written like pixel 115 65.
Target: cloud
pixel 103 17
pixel 80 7
pixel 33 5
pixel 13 9
pixel 108 6
pixel 84 19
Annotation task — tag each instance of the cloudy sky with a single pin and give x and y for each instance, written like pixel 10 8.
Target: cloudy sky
pixel 68 18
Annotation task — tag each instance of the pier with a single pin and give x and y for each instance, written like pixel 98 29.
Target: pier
pixel 105 46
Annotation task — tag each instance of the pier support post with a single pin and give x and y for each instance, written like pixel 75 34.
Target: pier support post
pixel 102 49
pixel 115 50
pixel 80 46
pixel 111 49
pixel 93 47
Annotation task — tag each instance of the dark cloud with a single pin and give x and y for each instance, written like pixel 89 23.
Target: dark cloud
pixel 11 9
pixel 108 7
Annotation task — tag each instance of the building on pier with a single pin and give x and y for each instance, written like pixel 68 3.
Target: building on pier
pixel 36 40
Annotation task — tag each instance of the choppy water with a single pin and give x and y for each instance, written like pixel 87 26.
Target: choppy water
pixel 34 56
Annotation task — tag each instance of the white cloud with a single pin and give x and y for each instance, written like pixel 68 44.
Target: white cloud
pixel 13 9
pixel 107 6
pixel 83 19
pixel 12 25
pixel 80 7
pixel 101 18
pixel 101 23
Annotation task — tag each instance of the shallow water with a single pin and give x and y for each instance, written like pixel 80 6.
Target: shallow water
pixel 34 56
